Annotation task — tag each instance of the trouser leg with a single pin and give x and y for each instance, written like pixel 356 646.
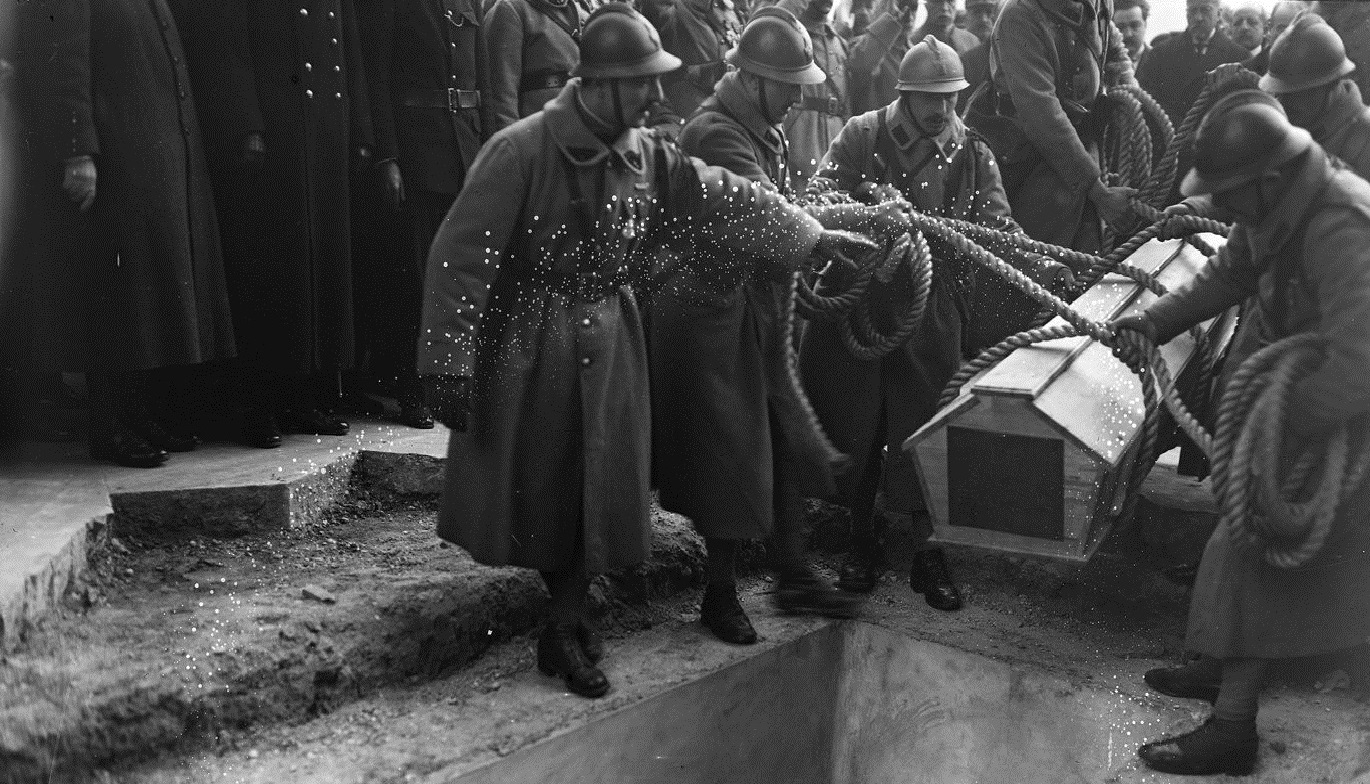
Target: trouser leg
pixel 1238 696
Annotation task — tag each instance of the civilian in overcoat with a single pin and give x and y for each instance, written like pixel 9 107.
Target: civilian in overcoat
pixel 108 81
pixel 1175 70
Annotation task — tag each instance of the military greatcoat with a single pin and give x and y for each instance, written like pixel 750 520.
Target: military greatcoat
pixel 138 283
pixel 726 417
pixel 1308 269
pixel 530 292
pixel 700 33
pixel 1050 60
pixel 291 71
pixel 533 47
pixel 864 404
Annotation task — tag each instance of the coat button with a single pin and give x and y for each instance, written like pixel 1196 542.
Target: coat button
pixel 334 42
pixel 585 322
pixel 337 69
pixel 585 361
pixel 309 93
pixel 308 67
pixel 304 12
pixel 332 15
pixel 337 95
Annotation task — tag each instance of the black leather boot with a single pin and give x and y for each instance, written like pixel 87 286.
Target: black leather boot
pixel 1217 746
pixel 865 566
pixel 801 591
pixel 591 643
pixel 560 654
pixel 931 577
pixel 723 615
pixel 113 441
pixel 413 411
pixel 260 429
pixel 1198 680
pixel 309 420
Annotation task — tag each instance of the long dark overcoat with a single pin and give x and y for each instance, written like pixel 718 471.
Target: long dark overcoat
pixel 291 71
pixel 532 49
pixel 1047 56
pixel 700 33
pixel 1308 268
pixel 721 395
pixel 1174 71
pixel 145 288
pixel 533 297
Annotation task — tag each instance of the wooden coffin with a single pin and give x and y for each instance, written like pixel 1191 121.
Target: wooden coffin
pixel 1028 457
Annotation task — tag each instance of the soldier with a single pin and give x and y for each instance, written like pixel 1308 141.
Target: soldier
pixel 700 33
pixel 287 115
pixel 532 51
pixel 426 70
pixel 735 446
pixel 824 107
pixel 1050 61
pixel 1311 75
pixel 1307 266
pixel 1351 20
pixel 531 322
pixel 919 148
pixel 118 270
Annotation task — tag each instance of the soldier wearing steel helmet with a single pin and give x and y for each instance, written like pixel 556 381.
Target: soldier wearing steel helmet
pixel 918 148
pixel 1305 268
pixel 734 445
pixel 1312 77
pixel 532 333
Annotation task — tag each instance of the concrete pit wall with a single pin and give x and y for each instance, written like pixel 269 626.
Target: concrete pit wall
pixel 851 704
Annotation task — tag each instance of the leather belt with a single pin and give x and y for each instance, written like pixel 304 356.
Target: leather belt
pixel 449 98
pixel 543 80
pixel 825 105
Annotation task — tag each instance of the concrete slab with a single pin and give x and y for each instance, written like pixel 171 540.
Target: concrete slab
pixel 55 502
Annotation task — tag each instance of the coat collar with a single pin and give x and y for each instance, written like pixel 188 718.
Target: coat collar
pixel 735 102
pixel 1303 189
pixel 579 144
pixel 906 134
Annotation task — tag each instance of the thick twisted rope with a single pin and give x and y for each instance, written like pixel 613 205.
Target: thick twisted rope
pixel 858 331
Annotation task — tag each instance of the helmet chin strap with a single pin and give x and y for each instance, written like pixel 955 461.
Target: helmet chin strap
pixel 618 103
pixel 764 100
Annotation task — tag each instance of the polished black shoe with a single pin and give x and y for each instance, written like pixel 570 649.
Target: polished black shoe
pixel 312 421
pixel 803 592
pixel 560 654
pixel 1217 746
pixel 118 444
pixel 416 415
pixel 931 577
pixel 1187 683
pixel 591 643
pixel 164 437
pixel 261 430
pixel 723 615
pixel 862 571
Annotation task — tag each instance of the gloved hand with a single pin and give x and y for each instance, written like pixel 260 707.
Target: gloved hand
pixel 890 218
pixel 78 181
pixel 392 184
pixel 842 247
pixel 1060 279
pixel 876 192
pixel 449 398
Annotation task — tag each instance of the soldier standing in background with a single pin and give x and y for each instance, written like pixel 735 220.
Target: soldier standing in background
pixel 918 148
pixel 1351 20
pixel 426 72
pixel 284 103
pixel 531 46
pixel 824 107
pixel 700 33
pixel 118 271
pixel 1050 62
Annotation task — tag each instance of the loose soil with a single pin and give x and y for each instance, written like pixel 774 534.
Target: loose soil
pixel 363 650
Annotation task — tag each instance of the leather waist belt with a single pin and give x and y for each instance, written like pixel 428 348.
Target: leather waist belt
pixel 449 98
pixel 825 105
pixel 543 80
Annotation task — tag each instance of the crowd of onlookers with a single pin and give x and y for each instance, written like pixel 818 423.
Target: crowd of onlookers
pixel 220 212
